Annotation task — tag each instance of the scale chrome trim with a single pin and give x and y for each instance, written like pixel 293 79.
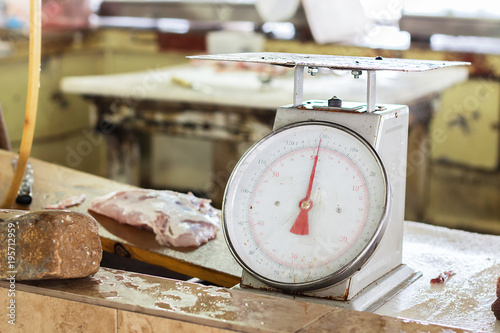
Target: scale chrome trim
pixel 333 61
pixel 352 267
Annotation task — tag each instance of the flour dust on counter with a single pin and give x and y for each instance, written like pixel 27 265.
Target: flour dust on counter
pixel 177 219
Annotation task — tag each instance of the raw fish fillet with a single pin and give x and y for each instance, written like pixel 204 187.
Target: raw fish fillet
pixel 177 219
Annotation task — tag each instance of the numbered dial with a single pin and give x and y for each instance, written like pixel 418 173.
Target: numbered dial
pixel 305 206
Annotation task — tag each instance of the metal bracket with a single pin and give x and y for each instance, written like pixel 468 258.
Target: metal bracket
pixel 371 91
pixel 298 85
pixel 298 88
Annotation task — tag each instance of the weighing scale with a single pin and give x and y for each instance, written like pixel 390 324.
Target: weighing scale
pixel 316 207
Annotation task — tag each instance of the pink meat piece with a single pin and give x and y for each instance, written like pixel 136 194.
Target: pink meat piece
pixel 442 278
pixel 177 219
pixel 68 202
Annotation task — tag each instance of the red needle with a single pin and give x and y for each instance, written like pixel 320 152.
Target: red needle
pixel 301 225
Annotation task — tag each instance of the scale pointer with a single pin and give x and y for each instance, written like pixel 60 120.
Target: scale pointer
pixel 301 225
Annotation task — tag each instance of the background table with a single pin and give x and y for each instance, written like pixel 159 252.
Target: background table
pixel 230 108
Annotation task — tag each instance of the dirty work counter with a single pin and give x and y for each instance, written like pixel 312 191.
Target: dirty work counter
pixel 228 106
pixel 131 302
pixel 117 301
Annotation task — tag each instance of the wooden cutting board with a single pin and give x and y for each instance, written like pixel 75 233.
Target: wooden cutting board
pixel 211 262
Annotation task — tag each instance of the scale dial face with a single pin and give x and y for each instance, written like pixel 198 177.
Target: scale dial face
pixel 306 206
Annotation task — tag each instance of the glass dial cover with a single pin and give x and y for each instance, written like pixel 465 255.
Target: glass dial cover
pixel 306 206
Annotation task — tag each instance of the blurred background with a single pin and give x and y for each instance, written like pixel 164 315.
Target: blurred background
pixel 119 99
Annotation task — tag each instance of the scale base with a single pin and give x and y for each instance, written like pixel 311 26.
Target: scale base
pixel 368 300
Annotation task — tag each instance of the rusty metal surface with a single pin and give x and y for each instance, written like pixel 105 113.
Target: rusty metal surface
pixel 333 61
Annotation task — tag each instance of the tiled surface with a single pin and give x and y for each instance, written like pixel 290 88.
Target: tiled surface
pixel 204 305
pixel 117 301
pixel 44 314
pixel 132 322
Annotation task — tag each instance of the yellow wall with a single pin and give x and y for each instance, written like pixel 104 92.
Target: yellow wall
pixel 63 134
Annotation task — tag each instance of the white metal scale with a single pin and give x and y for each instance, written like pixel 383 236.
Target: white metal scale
pixel 316 207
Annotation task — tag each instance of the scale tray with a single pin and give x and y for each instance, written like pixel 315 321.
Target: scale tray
pixel 333 61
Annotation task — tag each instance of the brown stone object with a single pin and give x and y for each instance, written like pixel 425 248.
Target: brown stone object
pixel 48 245
pixel 495 307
